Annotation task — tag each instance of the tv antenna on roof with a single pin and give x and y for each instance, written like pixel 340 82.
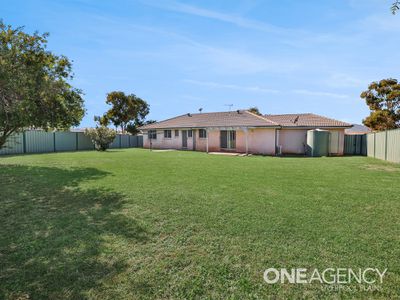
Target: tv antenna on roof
pixel 230 106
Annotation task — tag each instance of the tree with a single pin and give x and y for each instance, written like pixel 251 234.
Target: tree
pixel 395 7
pixel 126 110
pixel 255 110
pixel 101 137
pixel 34 85
pixel 133 129
pixel 383 99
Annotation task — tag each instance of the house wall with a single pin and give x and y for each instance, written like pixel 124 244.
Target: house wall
pixel 213 141
pixel 260 141
pixel 167 143
pixel 293 140
pixel 161 142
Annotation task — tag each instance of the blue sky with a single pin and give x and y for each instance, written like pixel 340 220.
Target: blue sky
pixel 281 56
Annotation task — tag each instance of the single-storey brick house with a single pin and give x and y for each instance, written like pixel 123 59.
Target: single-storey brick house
pixel 242 131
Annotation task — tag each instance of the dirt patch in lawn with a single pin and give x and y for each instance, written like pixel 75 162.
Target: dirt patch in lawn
pixel 387 168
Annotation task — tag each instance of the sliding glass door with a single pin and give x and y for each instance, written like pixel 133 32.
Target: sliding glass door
pixel 228 139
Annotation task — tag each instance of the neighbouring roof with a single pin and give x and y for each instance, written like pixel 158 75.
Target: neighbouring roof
pixel 358 129
pixel 305 120
pixel 214 119
pixel 246 119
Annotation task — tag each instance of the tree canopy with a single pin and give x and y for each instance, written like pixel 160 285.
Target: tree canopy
pixel 34 85
pixel 383 99
pixel 255 110
pixel 395 6
pixel 127 111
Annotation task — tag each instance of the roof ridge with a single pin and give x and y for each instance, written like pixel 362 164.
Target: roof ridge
pixel 336 120
pixel 164 120
pixel 261 117
pixel 297 114
pixel 217 112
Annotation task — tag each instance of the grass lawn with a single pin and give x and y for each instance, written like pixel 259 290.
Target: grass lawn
pixel 139 224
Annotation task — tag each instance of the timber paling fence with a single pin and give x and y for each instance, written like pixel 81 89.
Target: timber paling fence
pixel 35 141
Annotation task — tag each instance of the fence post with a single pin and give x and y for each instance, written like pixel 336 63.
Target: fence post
pixel 120 141
pixel 374 144
pixel 76 141
pixel 24 141
pixel 54 141
pixel 386 148
pixel 129 141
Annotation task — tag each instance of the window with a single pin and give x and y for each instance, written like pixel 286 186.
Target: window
pixel 202 133
pixel 152 134
pixel 167 134
pixel 176 133
pixel 190 133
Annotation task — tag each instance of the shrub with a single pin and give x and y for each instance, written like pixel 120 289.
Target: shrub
pixel 101 137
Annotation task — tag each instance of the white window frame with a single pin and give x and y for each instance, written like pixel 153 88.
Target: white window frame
pixel 205 133
pixel 152 134
pixel 167 134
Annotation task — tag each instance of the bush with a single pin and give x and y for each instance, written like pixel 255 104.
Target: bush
pixel 101 137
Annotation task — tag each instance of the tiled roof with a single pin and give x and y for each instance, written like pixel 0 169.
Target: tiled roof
pixel 215 119
pixel 305 120
pixel 246 118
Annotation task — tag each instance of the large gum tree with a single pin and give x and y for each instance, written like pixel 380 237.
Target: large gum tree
pixel 383 100
pixel 35 89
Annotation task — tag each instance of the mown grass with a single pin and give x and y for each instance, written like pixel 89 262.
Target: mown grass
pixel 130 224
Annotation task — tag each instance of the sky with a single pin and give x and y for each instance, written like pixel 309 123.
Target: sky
pixel 285 56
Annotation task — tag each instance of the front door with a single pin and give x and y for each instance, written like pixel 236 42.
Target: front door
pixel 184 139
pixel 228 139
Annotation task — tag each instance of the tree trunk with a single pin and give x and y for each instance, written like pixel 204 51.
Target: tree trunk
pixel 4 136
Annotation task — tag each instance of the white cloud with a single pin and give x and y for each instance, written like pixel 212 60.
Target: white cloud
pixel 219 16
pixel 295 37
pixel 380 23
pixel 320 94
pixel 345 80
pixel 210 84
pixel 258 89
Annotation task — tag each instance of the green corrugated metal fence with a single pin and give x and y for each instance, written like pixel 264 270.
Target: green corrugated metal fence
pixel 384 145
pixel 393 146
pixel 355 144
pixel 35 141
